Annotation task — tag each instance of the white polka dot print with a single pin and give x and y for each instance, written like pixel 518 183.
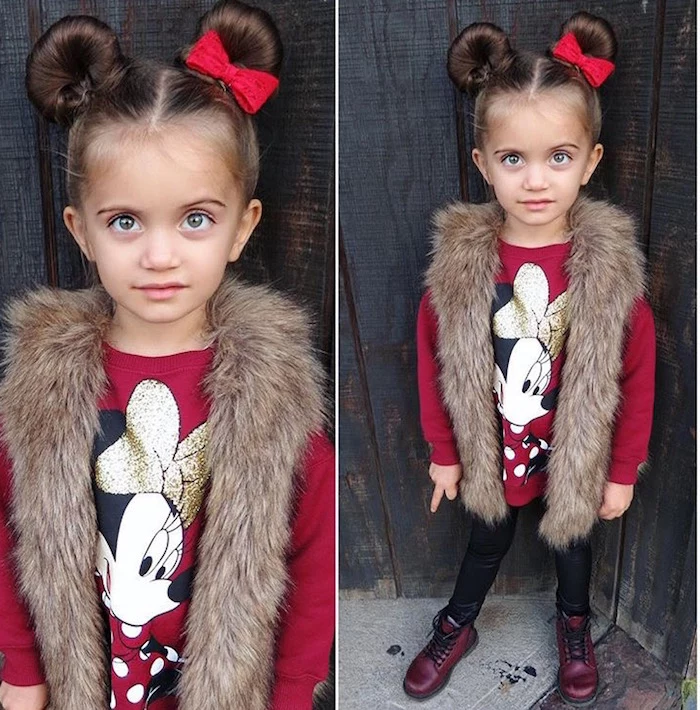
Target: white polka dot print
pixel 120 667
pixel 519 470
pixel 135 693
pixel 131 631
pixel 504 474
pixel 516 428
pixel 534 452
pixel 113 701
pixel 157 666
pixel 172 654
pixel 510 454
pixel 544 445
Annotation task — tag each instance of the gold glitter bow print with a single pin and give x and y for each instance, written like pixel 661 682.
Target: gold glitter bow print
pixel 148 458
pixel 529 314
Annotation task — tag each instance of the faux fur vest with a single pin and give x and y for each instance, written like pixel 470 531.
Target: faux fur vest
pixel 265 393
pixel 606 275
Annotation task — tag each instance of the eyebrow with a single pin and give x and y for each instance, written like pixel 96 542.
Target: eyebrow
pixel 204 201
pixel 556 147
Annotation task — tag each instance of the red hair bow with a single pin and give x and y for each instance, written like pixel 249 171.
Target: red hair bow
pixel 595 70
pixel 250 87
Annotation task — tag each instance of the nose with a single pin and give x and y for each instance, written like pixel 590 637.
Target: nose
pixel 536 177
pixel 159 250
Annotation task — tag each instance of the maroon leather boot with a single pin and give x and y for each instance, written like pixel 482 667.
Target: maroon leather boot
pixel 578 673
pixel 431 668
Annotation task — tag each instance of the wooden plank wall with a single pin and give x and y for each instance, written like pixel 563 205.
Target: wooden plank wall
pixel 293 248
pixel 404 151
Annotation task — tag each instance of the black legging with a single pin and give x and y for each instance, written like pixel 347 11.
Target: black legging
pixel 488 546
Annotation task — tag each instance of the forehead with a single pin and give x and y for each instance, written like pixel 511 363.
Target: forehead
pixel 161 167
pixel 544 119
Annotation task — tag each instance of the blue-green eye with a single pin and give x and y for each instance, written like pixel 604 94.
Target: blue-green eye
pixel 197 221
pixel 561 158
pixel 124 223
pixel 511 159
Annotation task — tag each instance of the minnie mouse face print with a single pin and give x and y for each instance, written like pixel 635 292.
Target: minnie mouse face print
pixel 529 334
pixel 138 555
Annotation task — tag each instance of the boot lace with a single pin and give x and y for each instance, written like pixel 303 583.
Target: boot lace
pixel 575 646
pixel 442 642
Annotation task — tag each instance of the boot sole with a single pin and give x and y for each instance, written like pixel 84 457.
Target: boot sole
pixel 578 703
pixel 440 687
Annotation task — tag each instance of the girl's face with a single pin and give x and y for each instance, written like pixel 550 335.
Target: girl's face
pixel 537 156
pixel 162 217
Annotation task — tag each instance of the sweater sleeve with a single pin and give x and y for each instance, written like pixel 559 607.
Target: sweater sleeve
pixel 634 418
pixel 308 620
pixel 21 659
pixel 434 419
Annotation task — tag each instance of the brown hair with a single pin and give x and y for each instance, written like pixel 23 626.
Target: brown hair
pixel 482 63
pixel 78 77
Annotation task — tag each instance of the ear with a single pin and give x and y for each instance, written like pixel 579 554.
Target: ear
pixel 593 160
pixel 247 223
pixel 76 226
pixel 480 161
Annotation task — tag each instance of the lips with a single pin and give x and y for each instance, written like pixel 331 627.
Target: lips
pixel 535 205
pixel 171 284
pixel 160 292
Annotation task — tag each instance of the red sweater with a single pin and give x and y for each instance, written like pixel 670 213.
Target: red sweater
pixel 529 348
pixel 142 589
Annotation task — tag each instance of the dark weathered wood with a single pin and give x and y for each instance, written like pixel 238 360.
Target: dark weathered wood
pixel 657 594
pixel 366 548
pixel 294 245
pixel 21 240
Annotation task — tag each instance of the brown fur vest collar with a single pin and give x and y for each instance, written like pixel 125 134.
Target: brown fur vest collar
pixel 265 389
pixel 605 271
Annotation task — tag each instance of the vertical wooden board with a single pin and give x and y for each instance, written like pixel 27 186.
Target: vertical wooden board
pixel 397 164
pixel 658 583
pixel 21 242
pixel 365 565
pixel 294 245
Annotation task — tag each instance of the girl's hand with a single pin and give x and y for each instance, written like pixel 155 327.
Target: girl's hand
pixel 445 479
pixel 30 697
pixel 616 499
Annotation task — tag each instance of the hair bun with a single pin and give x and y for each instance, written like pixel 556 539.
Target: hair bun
pixel 481 49
pixel 248 34
pixel 76 56
pixel 594 35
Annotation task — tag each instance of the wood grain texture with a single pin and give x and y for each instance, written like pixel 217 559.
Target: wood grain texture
pixel 657 594
pixel 366 557
pixel 293 247
pixel 21 240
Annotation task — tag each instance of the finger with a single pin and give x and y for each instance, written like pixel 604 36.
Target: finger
pixel 437 497
pixel 451 492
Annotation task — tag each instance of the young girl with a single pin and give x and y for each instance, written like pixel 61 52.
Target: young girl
pixel 166 527
pixel 535 343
